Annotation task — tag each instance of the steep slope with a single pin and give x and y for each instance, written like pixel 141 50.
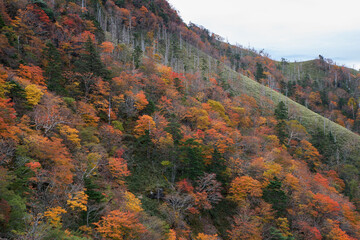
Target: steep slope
pixel 118 121
pixel 347 141
pixel 311 120
pixel 324 87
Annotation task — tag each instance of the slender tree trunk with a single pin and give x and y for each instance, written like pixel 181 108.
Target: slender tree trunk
pixel 180 41
pixel 109 113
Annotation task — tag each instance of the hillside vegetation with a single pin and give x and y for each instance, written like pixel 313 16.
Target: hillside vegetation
pixel 119 121
pixel 346 139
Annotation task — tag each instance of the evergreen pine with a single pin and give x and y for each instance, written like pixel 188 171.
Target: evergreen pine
pixel 137 54
pixel 281 114
pixel 259 72
pixel 281 131
pixel 193 159
pixel 90 61
pixel 53 69
pixel 277 197
pixel 2 23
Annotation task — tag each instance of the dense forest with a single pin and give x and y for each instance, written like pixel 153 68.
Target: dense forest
pixel 119 121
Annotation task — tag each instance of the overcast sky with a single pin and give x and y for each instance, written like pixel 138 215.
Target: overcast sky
pixel 292 29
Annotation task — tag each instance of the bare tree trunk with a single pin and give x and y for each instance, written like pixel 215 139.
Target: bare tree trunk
pixel 142 43
pixel 173 173
pixel 209 63
pixel 154 47
pixel 180 41
pixel 167 47
pixel 109 113
pixel 124 35
pixel 299 77
pixel 105 24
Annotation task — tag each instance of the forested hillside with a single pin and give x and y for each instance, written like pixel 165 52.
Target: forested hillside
pixel 119 121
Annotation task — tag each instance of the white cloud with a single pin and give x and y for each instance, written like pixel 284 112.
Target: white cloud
pixel 283 27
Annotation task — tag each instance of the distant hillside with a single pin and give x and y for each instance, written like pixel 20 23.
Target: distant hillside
pixel 314 122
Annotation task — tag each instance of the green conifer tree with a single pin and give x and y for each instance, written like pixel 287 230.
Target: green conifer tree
pixel 281 114
pixel 137 54
pixel 281 111
pixel 259 72
pixel 277 197
pixel 90 61
pixel 53 69
pixel 2 23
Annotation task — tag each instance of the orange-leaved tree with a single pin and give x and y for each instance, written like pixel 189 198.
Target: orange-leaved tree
pixel 244 186
pixel 324 206
pixel 143 124
pixel 120 226
pixel 118 167
pixel 140 101
pixel 335 232
pixel 202 236
pixel 32 73
pixel 7 118
pixel 54 157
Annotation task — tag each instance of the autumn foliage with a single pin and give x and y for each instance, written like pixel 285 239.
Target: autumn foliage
pixel 118 168
pixel 120 225
pixel 244 186
pixel 120 121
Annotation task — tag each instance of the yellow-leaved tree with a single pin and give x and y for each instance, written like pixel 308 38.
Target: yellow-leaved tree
pixel 70 134
pixel 33 94
pixel 77 201
pixel 133 204
pixel 53 215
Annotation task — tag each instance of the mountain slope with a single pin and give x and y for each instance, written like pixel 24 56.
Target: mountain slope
pixel 118 121
pixel 311 120
pixel 347 140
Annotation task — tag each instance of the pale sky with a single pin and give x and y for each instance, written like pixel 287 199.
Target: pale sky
pixel 292 29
